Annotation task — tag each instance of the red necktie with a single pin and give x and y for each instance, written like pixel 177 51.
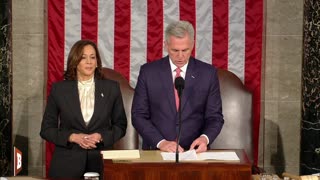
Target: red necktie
pixel 178 70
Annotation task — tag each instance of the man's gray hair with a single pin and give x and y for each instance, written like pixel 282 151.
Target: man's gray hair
pixel 179 29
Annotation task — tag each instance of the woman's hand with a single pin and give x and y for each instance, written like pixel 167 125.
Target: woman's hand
pixel 95 137
pixel 86 141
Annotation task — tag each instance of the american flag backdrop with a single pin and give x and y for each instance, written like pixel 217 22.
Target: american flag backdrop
pixel 130 33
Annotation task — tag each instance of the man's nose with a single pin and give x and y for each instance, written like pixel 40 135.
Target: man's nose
pixel 180 54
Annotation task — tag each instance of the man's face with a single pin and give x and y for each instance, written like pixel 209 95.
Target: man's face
pixel 179 49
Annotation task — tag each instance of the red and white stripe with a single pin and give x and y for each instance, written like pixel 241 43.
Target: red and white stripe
pixel 228 34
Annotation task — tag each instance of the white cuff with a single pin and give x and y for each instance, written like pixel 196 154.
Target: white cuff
pixel 205 137
pixel 159 143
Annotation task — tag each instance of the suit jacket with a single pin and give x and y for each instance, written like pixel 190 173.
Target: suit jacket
pixel 63 117
pixel 154 113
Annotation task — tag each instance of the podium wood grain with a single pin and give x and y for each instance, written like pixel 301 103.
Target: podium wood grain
pixel 151 167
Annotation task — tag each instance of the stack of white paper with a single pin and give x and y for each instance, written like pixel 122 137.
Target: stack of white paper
pixel 121 154
pixel 187 155
pixel 192 155
pixel 224 156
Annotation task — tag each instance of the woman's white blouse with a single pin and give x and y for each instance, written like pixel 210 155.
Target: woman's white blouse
pixel 86 95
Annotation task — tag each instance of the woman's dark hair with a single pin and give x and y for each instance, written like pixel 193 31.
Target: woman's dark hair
pixel 75 56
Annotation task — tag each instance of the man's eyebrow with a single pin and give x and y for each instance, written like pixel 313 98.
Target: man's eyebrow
pixel 180 50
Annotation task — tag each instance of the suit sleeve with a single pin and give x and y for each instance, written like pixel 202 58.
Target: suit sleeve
pixel 118 120
pixel 141 116
pixel 213 113
pixel 50 130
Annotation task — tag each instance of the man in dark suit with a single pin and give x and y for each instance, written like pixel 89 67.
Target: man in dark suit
pixel 154 110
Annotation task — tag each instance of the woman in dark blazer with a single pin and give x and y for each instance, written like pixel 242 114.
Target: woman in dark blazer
pixel 84 115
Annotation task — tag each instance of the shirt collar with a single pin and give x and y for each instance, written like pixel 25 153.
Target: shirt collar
pixel 87 82
pixel 174 67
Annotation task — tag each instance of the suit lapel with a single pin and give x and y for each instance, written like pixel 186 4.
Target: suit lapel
pixel 167 81
pixel 190 81
pixel 72 98
pixel 99 96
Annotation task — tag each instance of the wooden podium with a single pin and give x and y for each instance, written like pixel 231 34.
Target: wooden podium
pixel 150 166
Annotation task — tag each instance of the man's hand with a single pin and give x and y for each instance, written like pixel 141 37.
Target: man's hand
pixel 200 143
pixel 170 146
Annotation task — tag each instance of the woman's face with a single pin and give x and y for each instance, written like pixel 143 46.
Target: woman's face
pixel 88 64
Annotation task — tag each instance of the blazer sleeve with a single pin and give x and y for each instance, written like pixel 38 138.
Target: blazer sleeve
pixel 50 123
pixel 118 120
pixel 141 116
pixel 213 114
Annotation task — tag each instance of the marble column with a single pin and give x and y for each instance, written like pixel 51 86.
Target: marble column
pixel 310 126
pixel 5 89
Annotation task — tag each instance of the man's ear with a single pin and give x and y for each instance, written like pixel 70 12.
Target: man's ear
pixel 192 45
pixel 165 46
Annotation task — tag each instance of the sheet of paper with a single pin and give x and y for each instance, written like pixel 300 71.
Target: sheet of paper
pixel 224 156
pixel 192 155
pixel 187 155
pixel 121 154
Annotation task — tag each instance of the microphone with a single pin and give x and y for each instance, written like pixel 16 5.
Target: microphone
pixel 179 85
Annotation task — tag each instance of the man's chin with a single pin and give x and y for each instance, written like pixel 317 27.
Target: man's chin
pixel 180 64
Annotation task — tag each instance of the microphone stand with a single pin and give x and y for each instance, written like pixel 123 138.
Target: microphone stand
pixel 179 130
